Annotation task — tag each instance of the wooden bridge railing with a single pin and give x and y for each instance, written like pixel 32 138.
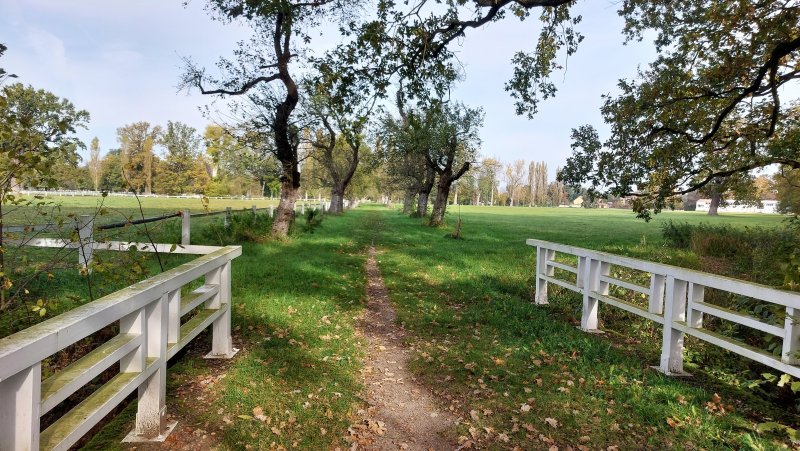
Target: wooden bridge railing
pixel 149 315
pixel 675 299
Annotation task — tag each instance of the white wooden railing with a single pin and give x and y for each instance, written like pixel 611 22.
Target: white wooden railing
pixel 675 300
pixel 149 316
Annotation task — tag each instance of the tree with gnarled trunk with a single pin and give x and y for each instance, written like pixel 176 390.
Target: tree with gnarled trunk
pixel 455 147
pixel 282 36
pixel 408 141
pixel 337 144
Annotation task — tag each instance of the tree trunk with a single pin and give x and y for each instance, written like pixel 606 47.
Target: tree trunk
pixel 284 215
pixel 424 191
pixel 440 203
pixel 716 199
pixel 337 200
pixel 408 201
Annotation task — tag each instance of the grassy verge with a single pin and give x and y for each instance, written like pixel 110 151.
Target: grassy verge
pixel 295 381
pixel 518 375
pixel 521 375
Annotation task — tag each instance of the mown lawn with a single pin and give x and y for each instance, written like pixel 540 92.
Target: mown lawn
pixel 525 374
pixel 517 374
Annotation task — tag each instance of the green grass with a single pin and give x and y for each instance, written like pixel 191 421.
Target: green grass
pixel 488 351
pixel 478 342
pixel 125 206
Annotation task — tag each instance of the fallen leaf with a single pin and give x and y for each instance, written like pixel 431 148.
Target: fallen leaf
pixel 552 422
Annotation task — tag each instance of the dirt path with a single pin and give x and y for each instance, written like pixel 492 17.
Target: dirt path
pixel 402 413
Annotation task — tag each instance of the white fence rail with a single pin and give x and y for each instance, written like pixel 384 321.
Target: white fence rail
pixel 149 315
pixel 675 299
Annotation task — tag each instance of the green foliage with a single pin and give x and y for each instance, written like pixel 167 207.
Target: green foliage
pixel 182 170
pixel 709 107
pixel 787 186
pixel 36 132
pixel 313 219
pixel 138 159
pixel 242 227
pixel 751 252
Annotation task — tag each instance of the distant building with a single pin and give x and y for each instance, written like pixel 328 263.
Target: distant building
pixel 578 202
pixel 767 206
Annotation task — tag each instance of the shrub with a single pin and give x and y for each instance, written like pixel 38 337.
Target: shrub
pixel 241 227
pixel 677 234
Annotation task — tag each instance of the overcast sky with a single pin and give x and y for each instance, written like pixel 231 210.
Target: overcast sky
pixel 121 61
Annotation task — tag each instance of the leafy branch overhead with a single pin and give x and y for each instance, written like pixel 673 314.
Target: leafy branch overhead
pixel 412 43
pixel 709 107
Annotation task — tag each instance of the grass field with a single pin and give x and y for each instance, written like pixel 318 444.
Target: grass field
pixel 516 374
pixel 118 208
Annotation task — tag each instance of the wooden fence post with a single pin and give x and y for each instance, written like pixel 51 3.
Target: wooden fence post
pixel 85 236
pixel 694 318
pixel 221 342
pixel 174 322
pixel 592 270
pixel 227 216
pixel 186 227
pixel 656 300
pixel 20 400
pixel 254 209
pixel 542 257
pixel 672 342
pixel 151 421
pixel 791 336
pixel 271 211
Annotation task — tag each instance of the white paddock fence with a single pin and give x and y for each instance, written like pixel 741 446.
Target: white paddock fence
pixel 675 299
pixel 149 314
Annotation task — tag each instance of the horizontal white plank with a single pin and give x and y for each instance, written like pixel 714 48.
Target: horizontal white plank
pixel 197 297
pixel 194 326
pixel 628 306
pixel 740 348
pixel 738 318
pixel 123 246
pixel 561 283
pixel 749 289
pixel 67 381
pixel 23 349
pixel 626 285
pixel 62 434
pixel 558 265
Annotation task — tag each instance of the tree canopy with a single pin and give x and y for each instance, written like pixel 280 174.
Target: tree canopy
pixel 36 132
pixel 708 109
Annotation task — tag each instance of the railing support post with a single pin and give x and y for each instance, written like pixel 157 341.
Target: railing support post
pixel 221 342
pixel 656 301
pixel 542 257
pixel 694 318
pixel 186 228
pixel 791 337
pixel 85 235
pixel 151 422
pixel 592 270
pixel 174 321
pixel 672 343
pixel 20 398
